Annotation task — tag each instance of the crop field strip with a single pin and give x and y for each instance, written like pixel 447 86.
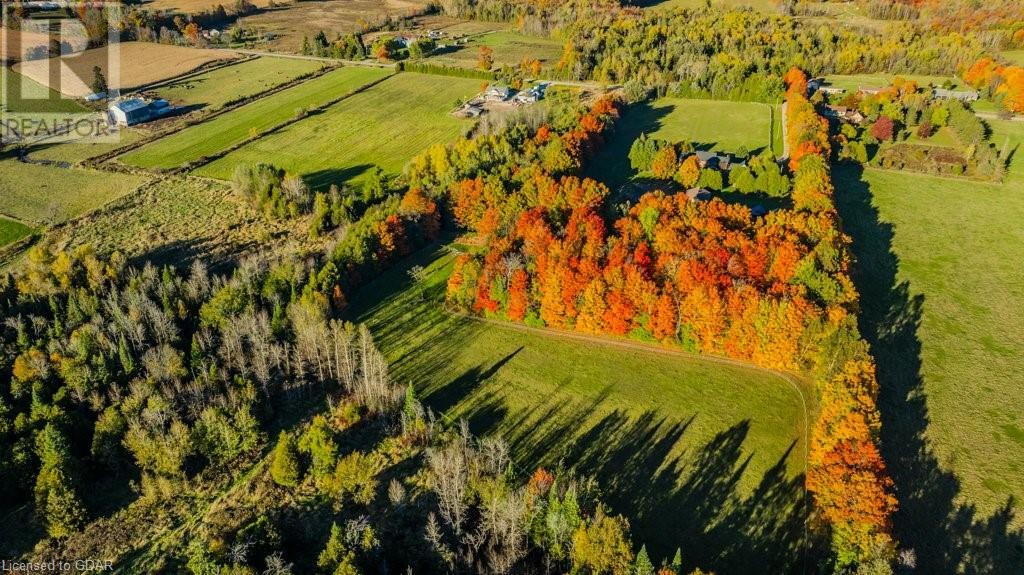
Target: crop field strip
pixel 385 125
pixel 214 88
pixel 235 126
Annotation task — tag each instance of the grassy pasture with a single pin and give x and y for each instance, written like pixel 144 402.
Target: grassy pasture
pixel 12 231
pixel 852 82
pixel 25 95
pixel 140 63
pixel 943 295
pixel 176 221
pixel 73 152
pixel 510 48
pixel 676 443
pixel 235 126
pixel 708 124
pixel 385 126
pixel 215 88
pixel 48 195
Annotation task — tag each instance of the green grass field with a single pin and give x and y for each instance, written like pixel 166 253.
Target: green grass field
pixel 25 95
pixel 855 81
pixel 73 152
pixel 49 195
pixel 510 48
pixel 714 124
pixel 12 231
pixel 384 126
pixel 235 126
pixel 943 294
pixel 213 89
pixel 691 450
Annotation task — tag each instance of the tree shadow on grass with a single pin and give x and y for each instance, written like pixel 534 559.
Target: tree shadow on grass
pixel 689 499
pixel 946 534
pixel 321 180
pixel 611 164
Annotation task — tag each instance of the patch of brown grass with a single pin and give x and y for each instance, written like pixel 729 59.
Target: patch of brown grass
pixel 141 63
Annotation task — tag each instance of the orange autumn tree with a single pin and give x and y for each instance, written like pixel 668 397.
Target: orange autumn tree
pixel 847 474
pixel 806 131
pixel 1005 82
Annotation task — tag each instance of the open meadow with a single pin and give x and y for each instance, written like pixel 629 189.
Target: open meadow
pixel 176 221
pixel 48 195
pixel 943 297
pixel 677 443
pixel 510 48
pixel 235 126
pixel 853 82
pixel 289 23
pixel 141 63
pixel 214 88
pixel 383 126
pixel 707 124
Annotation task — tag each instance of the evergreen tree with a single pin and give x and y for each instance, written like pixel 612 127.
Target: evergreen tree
pixel 99 81
pixel 677 561
pixel 643 565
pixel 285 466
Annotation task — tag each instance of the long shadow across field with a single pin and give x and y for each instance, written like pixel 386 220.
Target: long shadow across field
pixel 690 500
pixel 947 536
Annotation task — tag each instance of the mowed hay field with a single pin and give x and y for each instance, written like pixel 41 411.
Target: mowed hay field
pixel 943 295
pixel 214 88
pixel 677 443
pixel 48 195
pixel 510 48
pixel 141 63
pixel 235 126
pixel 708 124
pixel 383 126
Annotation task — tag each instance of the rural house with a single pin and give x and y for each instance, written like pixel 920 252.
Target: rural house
pixel 713 160
pixel 498 94
pixel 962 95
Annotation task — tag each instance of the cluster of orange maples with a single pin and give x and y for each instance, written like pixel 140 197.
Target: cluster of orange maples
pixel 1006 82
pixel 706 276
